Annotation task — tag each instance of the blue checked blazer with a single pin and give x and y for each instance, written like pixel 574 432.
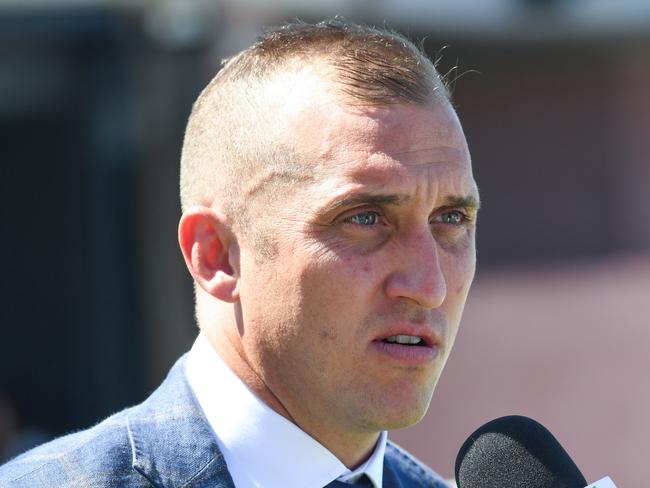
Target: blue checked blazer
pixel 165 442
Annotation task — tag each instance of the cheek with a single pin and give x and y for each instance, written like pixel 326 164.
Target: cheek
pixel 270 297
pixel 338 291
pixel 459 273
pixel 338 269
pixel 465 276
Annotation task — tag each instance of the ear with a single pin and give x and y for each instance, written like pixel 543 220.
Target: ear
pixel 211 252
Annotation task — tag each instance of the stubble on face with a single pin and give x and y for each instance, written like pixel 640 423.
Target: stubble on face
pixel 313 304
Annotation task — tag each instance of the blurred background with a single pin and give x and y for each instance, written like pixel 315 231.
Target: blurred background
pixel 554 97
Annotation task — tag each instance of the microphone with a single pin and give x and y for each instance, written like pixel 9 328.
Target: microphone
pixel 515 452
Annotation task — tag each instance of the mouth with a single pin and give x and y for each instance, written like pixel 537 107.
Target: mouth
pixel 424 337
pixel 408 349
pixel 406 340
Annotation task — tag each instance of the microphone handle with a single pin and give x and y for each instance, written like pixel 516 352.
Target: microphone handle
pixel 606 482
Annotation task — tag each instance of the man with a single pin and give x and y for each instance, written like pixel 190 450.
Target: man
pixel 328 223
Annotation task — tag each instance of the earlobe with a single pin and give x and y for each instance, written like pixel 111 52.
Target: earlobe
pixel 210 252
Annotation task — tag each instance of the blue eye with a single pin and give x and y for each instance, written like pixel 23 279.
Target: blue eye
pixel 364 218
pixel 455 217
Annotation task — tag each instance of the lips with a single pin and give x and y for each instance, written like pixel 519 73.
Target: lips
pixel 410 337
pixel 408 346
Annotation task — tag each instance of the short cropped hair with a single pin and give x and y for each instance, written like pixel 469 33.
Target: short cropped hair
pixel 228 140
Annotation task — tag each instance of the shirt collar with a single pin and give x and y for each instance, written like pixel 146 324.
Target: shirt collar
pixel 261 447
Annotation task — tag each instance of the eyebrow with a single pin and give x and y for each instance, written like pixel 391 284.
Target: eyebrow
pixel 463 201
pixel 469 201
pixel 367 199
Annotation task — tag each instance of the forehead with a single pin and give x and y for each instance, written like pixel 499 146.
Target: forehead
pixel 345 148
pixel 380 145
pixel 312 111
pixel 388 139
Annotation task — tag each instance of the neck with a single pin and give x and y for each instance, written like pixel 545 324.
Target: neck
pixel 352 453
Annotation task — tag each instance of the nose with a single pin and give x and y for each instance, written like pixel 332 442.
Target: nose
pixel 418 275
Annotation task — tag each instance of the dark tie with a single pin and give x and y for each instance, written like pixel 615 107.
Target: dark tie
pixel 363 482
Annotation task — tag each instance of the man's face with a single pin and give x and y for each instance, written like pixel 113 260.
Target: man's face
pixel 378 248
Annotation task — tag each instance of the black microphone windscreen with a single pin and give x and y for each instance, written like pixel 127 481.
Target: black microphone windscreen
pixel 515 452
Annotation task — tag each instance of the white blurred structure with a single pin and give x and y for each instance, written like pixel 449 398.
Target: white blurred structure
pixel 508 20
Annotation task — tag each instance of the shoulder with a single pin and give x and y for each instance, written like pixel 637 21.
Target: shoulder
pixel 93 458
pixel 135 448
pixel 405 470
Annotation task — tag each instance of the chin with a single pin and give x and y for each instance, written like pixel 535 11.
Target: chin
pixel 401 420
pixel 403 413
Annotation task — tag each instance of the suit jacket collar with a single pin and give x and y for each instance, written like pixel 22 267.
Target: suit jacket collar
pixel 171 442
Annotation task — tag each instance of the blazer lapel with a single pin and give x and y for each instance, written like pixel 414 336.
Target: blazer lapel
pixel 172 444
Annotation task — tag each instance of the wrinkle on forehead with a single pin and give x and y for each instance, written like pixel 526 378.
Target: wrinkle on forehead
pixel 410 134
pixel 380 165
pixel 381 159
pixel 332 136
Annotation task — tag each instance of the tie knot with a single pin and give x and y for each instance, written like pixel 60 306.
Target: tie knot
pixel 362 482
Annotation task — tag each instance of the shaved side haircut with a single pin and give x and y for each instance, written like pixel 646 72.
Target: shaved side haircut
pixel 230 155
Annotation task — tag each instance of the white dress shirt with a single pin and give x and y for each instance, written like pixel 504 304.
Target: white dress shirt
pixel 263 449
